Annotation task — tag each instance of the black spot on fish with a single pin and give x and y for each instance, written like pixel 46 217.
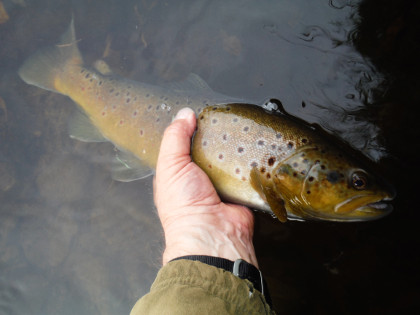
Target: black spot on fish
pixel 246 129
pixel 228 108
pixel 254 164
pixel 201 117
pixel 237 171
pixel 149 107
pixel 214 121
pixel 295 164
pixel 323 167
pixel 294 174
pixel 304 140
pixel 158 119
pixel 204 143
pixel 278 135
pixel 303 104
pixel 141 132
pixel 260 143
pixel 290 145
pixel 303 172
pixel 157 107
pixel 214 108
pixel 305 161
pixel 241 150
pixel 224 137
pixel 91 80
pixel 268 175
pixel 87 75
pixel 333 177
pixel 235 120
pixel 83 70
pixel 221 156
pixel 147 95
pixel 262 169
pixel 100 83
pixel 273 146
pixel 205 102
pixel 127 100
pixel 308 192
pixel 271 161
pixel 311 178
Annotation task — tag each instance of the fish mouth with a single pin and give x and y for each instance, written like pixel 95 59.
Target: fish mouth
pixel 363 208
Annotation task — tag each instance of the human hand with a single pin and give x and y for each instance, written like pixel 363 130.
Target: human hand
pixel 194 219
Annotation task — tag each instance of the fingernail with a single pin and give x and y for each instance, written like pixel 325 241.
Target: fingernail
pixel 183 113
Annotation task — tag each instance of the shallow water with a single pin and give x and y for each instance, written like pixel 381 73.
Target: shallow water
pixel 73 241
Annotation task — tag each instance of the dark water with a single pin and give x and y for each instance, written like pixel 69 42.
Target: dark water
pixel 73 241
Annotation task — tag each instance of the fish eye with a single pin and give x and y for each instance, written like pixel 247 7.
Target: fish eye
pixel 359 180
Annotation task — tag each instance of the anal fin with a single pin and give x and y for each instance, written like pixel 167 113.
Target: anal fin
pixel 126 167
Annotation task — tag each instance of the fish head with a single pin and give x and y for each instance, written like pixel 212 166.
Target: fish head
pixel 326 184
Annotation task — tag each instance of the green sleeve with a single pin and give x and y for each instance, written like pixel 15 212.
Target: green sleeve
pixel 191 287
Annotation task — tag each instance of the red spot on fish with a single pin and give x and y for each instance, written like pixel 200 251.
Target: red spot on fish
pixel 121 122
pixel 103 113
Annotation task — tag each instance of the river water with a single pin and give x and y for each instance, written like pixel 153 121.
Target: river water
pixel 73 241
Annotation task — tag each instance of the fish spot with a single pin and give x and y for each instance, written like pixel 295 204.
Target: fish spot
pixel 114 107
pixel 83 70
pixel 91 80
pixel 214 108
pixel 304 140
pixel 149 108
pixel 111 90
pixel 221 156
pixel 260 143
pixel 235 120
pixel 157 119
pixel 308 192
pixel 305 161
pixel 135 113
pixel 241 150
pixel 303 104
pixel 147 95
pixel 253 164
pixel 129 87
pixel 224 137
pixel 87 76
pixel 333 177
pixel 295 164
pixel 127 100
pixel 157 107
pixel 290 145
pixel 205 102
pixel 199 110
pixel 323 167
pixel 294 174
pixel 311 178
pixel 262 169
pixel 121 122
pixel 204 143
pixel 100 83
pixel 271 161
pixel 103 113
pixel 278 135
pixel 117 94
pixel 141 132
pixel 273 147
pixel 209 166
pixel 243 179
pixel 228 108
pixel 237 171
pixel 246 129
pixel 214 121
pixel 201 117
pixel 303 172
pixel 268 175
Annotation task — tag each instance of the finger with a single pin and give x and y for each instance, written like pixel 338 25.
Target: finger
pixel 176 142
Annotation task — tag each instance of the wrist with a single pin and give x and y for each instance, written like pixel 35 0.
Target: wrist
pixel 223 238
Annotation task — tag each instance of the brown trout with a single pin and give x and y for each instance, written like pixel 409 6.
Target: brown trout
pixel 270 162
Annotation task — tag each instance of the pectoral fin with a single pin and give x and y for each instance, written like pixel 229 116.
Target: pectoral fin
pixel 265 189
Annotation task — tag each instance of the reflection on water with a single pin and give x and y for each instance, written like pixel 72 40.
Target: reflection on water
pixel 74 241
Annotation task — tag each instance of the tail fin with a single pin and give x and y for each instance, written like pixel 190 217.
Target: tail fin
pixel 45 65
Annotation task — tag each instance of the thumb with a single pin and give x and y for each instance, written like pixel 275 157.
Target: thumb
pixel 176 143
